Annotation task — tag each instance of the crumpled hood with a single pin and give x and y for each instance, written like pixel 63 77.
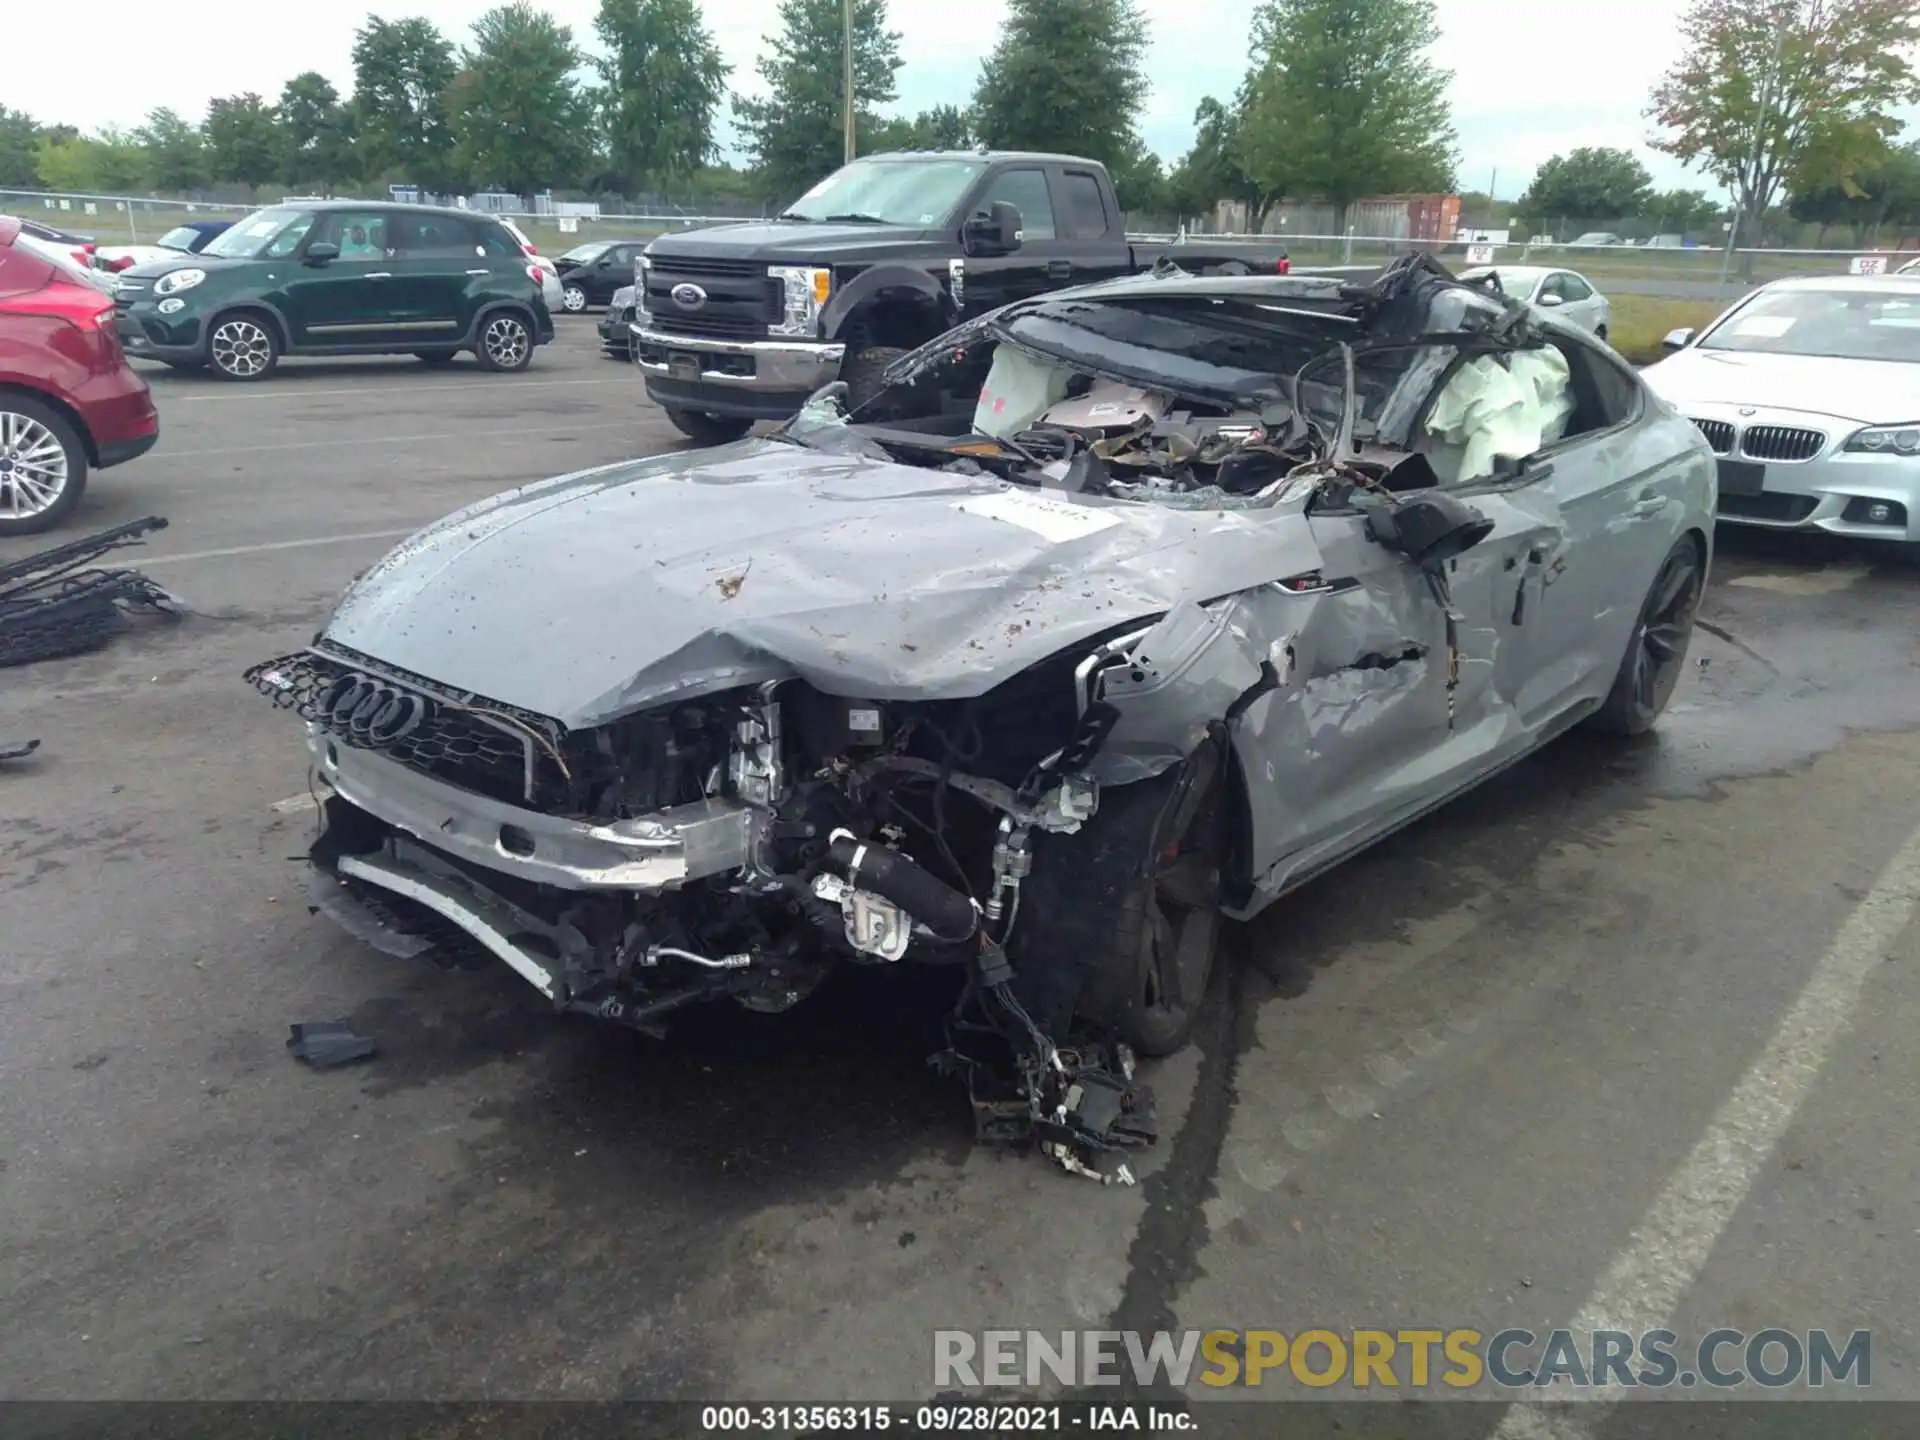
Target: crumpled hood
pixel 597 593
pixel 1870 392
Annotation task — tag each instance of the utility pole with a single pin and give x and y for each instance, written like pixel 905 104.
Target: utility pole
pixel 846 77
pixel 1759 145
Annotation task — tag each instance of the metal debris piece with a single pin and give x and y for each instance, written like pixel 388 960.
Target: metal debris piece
pixel 1078 1102
pixel 323 1044
pixel 52 605
pixel 17 749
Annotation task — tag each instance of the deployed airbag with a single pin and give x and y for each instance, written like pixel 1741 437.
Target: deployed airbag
pixel 1018 391
pixel 1497 406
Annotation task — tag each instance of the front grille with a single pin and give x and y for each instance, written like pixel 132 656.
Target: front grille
pixel 708 323
pixel 1719 434
pixel 1782 509
pixel 467 741
pixel 703 265
pixel 1781 442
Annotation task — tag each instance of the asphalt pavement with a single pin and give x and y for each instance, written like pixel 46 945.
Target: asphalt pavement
pixel 1628 1033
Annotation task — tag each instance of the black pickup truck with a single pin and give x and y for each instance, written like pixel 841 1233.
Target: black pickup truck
pixel 742 322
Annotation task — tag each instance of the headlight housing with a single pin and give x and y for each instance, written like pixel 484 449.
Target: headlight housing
pixel 171 306
pixel 806 289
pixel 642 267
pixel 1887 440
pixel 177 280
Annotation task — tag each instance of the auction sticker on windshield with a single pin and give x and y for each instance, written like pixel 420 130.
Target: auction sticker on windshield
pixel 1055 520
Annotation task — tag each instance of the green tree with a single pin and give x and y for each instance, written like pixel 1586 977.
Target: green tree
pixel 176 151
pixel 793 134
pixel 319 144
pixel 945 127
pixel 401 72
pixel 19 139
pixel 519 118
pixel 1342 101
pixel 1215 169
pixel 1762 85
pixel 1067 75
pixel 1685 211
pixel 1140 181
pixel 1884 187
pixel 661 84
pixel 244 141
pixel 110 162
pixel 1588 184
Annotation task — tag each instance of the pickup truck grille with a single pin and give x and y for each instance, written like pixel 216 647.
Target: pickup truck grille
pixel 740 302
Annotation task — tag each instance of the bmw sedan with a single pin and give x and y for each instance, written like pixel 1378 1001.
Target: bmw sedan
pixel 1808 391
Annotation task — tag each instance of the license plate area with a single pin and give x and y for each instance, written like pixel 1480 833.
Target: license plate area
pixel 1742 477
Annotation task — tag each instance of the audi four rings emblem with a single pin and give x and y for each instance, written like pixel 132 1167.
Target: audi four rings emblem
pixel 371 711
pixel 689 297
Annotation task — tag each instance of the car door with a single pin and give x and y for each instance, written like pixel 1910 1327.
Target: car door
pixel 1615 488
pixel 436 257
pixel 1098 247
pixel 996 280
pixel 344 300
pixel 608 272
pixel 1583 303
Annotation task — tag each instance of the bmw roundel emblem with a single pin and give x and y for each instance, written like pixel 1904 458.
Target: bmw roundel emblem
pixel 689 297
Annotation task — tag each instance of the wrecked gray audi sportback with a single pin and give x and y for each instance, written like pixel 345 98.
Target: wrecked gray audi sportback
pixel 1118 610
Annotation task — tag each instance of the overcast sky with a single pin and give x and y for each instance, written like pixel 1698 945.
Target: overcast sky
pixel 1532 78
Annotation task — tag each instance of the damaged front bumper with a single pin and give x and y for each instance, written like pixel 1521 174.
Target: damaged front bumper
pixel 647 853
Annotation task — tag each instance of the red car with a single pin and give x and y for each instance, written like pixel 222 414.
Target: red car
pixel 68 399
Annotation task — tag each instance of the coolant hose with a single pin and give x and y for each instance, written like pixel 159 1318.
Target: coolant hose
pixel 892 876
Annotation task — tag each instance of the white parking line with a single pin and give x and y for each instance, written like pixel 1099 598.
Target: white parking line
pixel 298 392
pixel 518 432
pixel 1663 1259
pixel 268 546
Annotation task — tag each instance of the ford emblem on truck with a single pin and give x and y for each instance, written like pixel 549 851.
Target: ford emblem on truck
pixel 689 297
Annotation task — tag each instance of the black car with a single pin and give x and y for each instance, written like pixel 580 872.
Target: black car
pixel 616 333
pixel 590 273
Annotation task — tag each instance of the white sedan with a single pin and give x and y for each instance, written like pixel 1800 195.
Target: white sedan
pixel 1808 391
pixel 1567 294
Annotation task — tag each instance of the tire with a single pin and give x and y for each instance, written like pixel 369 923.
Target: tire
pixel 862 371
pixel 436 357
pixel 242 345
pixel 506 342
pixel 55 465
pixel 573 300
pixel 707 429
pixel 1116 931
pixel 1657 650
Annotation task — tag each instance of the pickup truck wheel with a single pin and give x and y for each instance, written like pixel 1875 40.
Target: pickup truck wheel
pixel 862 370
pixel 1119 924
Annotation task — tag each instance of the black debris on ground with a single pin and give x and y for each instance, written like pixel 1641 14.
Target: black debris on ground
pixel 17 749
pixel 54 603
pixel 324 1044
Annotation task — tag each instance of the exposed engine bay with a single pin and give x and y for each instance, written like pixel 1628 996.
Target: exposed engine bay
pixel 794 830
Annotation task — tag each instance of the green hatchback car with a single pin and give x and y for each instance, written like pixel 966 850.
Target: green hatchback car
pixel 339 278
